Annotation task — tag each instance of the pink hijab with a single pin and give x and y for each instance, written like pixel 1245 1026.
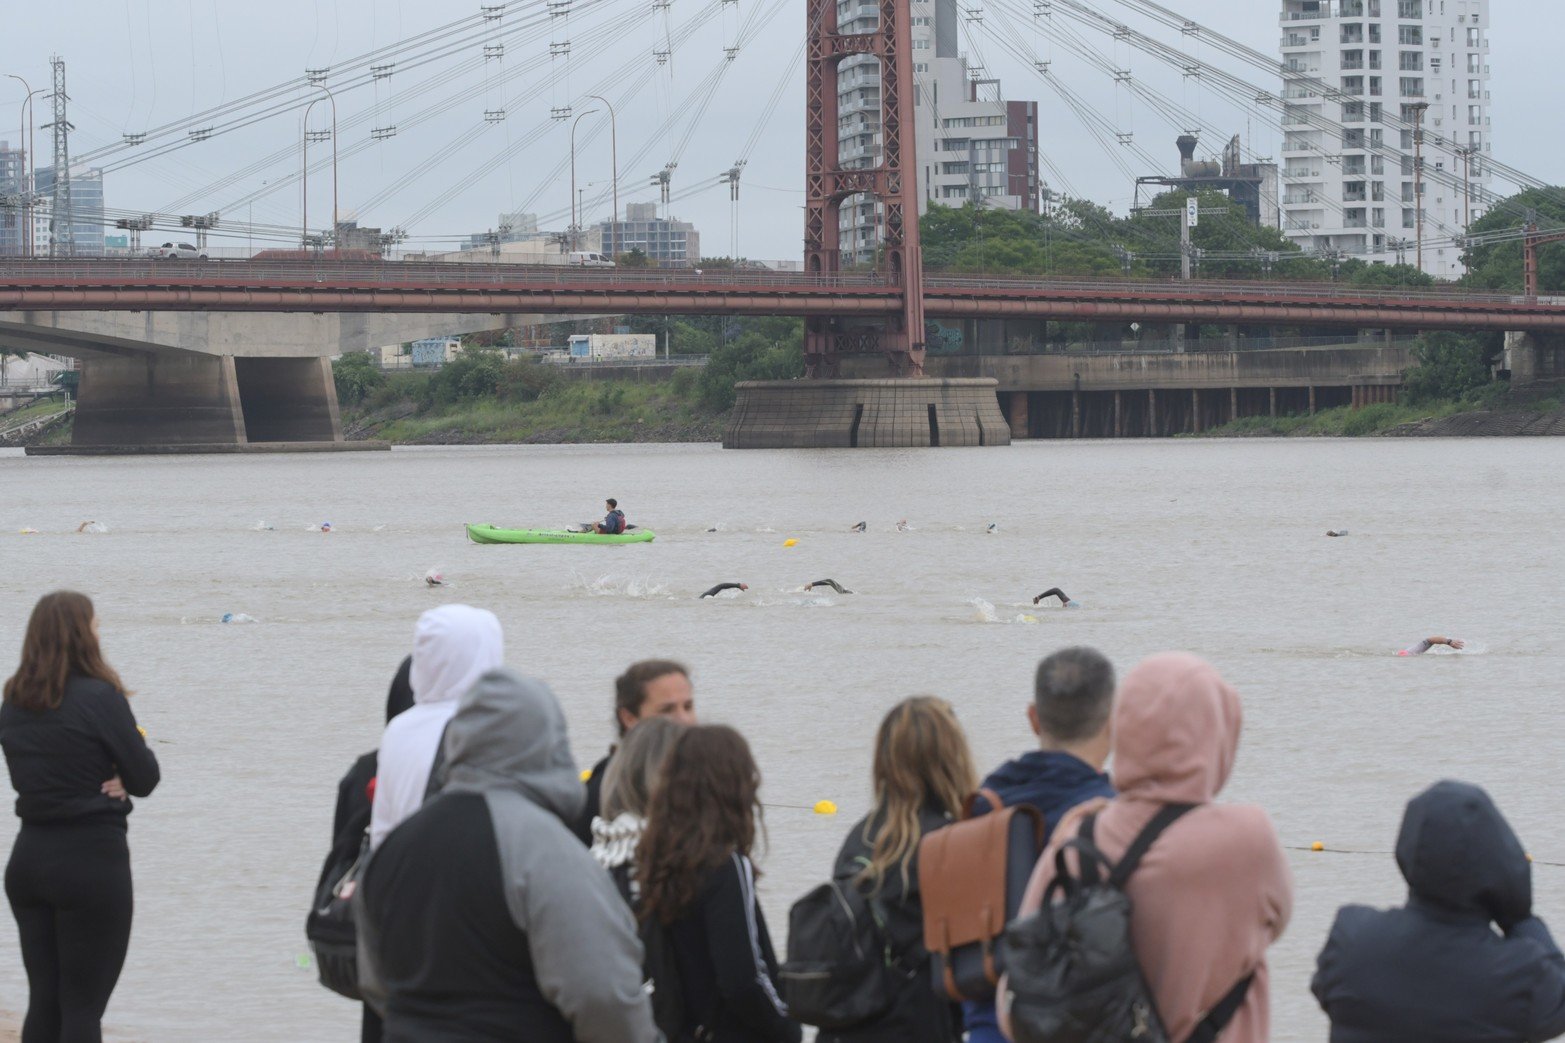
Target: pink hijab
pixel 1214 891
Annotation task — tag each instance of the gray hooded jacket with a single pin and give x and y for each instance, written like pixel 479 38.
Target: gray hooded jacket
pixel 508 743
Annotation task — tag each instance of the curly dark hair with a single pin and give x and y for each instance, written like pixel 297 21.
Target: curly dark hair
pixel 703 810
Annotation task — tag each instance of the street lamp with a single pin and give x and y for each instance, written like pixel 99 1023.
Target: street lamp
pixel 25 133
pixel 575 228
pixel 614 163
pixel 305 208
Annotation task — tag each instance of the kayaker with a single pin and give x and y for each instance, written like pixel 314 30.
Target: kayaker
pixel 613 523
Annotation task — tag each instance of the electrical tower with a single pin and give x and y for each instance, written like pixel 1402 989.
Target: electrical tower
pixel 893 182
pixel 62 236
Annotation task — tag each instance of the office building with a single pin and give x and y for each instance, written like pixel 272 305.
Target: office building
pixel 971 144
pixel 1381 69
pixel 13 185
pixel 667 242
pixel 87 220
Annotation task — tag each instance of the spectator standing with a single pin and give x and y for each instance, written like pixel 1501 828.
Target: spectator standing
pixel 698 883
pixel 650 688
pixel 453 646
pixel 922 772
pixel 76 756
pixel 1213 892
pixel 1070 713
pixel 482 918
pixel 627 793
pixel 1437 970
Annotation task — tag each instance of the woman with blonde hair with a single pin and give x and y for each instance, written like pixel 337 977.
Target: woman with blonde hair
pixel 922 772
pixel 627 794
pixel 76 756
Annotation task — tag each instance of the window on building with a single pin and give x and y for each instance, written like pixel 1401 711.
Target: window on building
pixel 1409 217
pixel 1410 35
pixel 1410 61
pixel 1412 86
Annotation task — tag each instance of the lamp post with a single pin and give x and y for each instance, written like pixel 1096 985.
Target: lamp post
pixel 305 208
pixel 575 228
pixel 614 163
pixel 1419 108
pixel 25 142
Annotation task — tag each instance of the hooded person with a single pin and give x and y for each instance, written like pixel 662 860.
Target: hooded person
pixel 453 646
pixel 1435 970
pixel 482 917
pixel 1213 892
pixel 352 818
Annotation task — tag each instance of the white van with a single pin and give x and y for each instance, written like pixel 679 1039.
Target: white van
pixel 586 259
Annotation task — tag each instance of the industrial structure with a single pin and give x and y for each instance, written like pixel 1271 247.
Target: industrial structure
pixel 972 145
pixel 1252 186
pixel 1408 82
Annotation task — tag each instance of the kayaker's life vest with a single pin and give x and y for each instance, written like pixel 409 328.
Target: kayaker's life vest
pixel 617 520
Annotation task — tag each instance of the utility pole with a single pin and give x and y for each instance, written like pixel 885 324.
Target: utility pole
pixel 62 238
pixel 1419 108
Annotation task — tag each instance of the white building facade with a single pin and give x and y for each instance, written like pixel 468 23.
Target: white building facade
pixel 1379 68
pixel 971 144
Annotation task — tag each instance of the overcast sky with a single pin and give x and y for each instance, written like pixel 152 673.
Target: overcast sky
pixel 134 65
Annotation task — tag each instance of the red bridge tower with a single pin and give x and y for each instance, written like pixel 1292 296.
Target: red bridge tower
pixel 894 182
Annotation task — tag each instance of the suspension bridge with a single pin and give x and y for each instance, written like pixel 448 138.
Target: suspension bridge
pixel 218 352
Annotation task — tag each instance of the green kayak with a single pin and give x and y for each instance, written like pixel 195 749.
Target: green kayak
pixel 492 534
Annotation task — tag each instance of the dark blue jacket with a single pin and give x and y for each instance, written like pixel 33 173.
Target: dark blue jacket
pixel 1052 782
pixel 1437 970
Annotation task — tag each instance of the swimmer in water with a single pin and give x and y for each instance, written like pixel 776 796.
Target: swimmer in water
pixel 833 584
pixel 1336 532
pixel 860 527
pixel 1429 642
pixel 903 526
pixel 1055 592
pixel 84 526
pixel 722 587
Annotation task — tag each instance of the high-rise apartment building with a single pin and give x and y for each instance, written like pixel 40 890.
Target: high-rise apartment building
pixel 13 186
pixel 971 144
pixel 1382 69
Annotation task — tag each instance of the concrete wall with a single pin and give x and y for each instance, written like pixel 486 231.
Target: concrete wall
pixel 1288 367
pixel 175 398
pixel 817 414
pixel 288 400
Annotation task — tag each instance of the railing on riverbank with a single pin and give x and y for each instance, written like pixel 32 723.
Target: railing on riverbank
pixel 19 429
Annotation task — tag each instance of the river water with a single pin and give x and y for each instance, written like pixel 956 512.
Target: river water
pixel 1212 546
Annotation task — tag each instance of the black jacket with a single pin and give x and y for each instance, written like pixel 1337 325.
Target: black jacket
pixel 726 962
pixel 917 1015
pixel 1437 970
pixel 582 827
pixel 59 759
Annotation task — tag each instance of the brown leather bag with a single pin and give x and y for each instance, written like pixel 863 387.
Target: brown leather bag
pixel 971 876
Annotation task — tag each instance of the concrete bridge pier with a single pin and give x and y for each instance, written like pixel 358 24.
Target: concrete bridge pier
pixel 1534 357
pixel 184 401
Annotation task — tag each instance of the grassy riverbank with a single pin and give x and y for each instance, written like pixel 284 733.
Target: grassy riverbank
pixel 597 411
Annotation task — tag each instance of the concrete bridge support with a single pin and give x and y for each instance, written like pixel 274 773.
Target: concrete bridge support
pixel 179 401
pixel 1533 358
pixel 866 414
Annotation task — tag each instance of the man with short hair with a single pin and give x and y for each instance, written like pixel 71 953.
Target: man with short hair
pixel 650 688
pixel 1073 701
pixel 613 522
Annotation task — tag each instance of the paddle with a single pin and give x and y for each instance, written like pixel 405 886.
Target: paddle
pixel 592 527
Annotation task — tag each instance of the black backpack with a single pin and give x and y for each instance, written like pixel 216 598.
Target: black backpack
pixel 840 969
pixel 1073 972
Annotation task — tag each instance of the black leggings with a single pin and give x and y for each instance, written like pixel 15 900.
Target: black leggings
pixel 70 891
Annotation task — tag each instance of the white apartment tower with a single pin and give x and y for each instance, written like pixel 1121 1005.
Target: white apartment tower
pixel 971 144
pixel 1379 68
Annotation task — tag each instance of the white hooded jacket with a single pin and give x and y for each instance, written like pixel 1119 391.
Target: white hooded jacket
pixel 453 646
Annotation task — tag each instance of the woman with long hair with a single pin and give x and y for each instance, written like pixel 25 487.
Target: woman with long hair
pixel 76 756
pixel 698 885
pixel 922 772
pixel 627 793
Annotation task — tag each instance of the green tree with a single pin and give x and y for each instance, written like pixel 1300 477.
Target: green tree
pixel 475 373
pixel 356 377
pixel 1498 266
pixel 1450 366
pixel 763 349
pixel 634 258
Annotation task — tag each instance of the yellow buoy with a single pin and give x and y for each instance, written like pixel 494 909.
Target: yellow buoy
pixel 586 773
pixel 825 807
pixel 1317 846
pixel 790 542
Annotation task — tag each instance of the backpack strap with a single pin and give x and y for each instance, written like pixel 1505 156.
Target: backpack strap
pixel 1166 816
pixel 1219 1016
pixel 989 795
